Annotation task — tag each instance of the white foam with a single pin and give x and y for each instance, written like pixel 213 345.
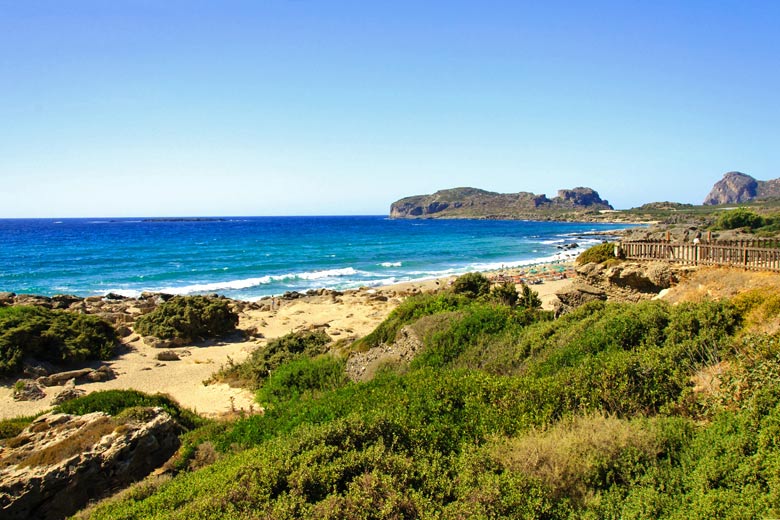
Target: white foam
pixel 246 283
pixel 328 273
pixel 391 264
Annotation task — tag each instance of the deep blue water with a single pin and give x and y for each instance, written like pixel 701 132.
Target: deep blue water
pixel 251 257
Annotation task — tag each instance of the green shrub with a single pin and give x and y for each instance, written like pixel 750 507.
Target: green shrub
pixel 505 294
pixel 476 321
pixel 581 425
pixel 257 367
pixel 409 311
pixel 303 376
pixel 739 218
pixel 188 318
pixel 599 253
pixel 14 426
pixel 471 285
pixel 529 299
pixel 114 402
pixel 54 336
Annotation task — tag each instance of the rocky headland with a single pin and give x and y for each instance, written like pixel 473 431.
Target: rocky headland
pixel 572 204
pixel 738 187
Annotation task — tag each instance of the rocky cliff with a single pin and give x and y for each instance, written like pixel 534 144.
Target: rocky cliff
pixel 737 187
pixel 476 203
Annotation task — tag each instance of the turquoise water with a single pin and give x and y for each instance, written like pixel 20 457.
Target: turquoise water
pixel 252 257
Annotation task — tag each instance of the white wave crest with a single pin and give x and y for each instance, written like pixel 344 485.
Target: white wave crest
pixel 328 273
pixel 245 283
pixel 391 264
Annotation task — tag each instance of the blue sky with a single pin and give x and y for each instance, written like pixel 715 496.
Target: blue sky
pixel 304 107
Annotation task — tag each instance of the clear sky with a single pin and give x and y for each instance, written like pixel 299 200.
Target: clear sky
pixel 306 107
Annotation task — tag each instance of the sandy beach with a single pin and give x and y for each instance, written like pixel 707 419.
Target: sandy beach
pixel 350 315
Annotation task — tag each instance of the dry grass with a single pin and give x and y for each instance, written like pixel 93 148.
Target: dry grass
pixel 716 283
pixel 708 379
pixel 78 442
pixel 571 454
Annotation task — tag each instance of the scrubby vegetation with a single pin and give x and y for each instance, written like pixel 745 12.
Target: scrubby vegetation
pixel 189 318
pixel 739 218
pixel 54 336
pixel 115 402
pixel 766 224
pixel 471 285
pixel 504 413
pixel 599 253
pixel 253 372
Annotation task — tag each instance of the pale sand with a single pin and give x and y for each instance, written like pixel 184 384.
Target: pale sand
pixel 352 315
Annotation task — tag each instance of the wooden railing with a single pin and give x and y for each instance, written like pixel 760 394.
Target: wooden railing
pixel 760 255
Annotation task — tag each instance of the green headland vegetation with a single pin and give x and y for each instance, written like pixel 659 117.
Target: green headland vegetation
pixel 615 410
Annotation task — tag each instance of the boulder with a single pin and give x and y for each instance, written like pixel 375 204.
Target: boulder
pixel 634 277
pixel 167 355
pixel 69 393
pixel 61 462
pixel 61 378
pixel 576 295
pixel 123 331
pixel 35 370
pixel 28 390
pixel 103 373
pixel 29 299
pixel 64 301
pixel 156 342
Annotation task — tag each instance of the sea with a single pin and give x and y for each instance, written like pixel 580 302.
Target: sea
pixel 252 257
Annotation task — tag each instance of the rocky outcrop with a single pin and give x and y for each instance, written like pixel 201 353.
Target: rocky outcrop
pixel 580 198
pixel 626 282
pixel 90 375
pixel 362 366
pixel 476 203
pixel 61 462
pixel 27 390
pixel 737 187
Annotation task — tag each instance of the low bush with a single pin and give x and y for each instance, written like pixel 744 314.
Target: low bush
pixel 303 377
pixel 505 294
pixel 188 318
pixel 581 454
pixel 254 371
pixel 739 218
pixel 54 336
pixel 529 299
pixel 14 426
pixel 599 253
pixel 115 402
pixel 504 415
pixel 471 285
pixel 409 311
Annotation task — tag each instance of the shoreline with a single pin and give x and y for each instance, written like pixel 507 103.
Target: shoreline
pixel 345 314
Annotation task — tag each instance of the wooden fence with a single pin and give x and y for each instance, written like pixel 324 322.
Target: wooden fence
pixel 760 255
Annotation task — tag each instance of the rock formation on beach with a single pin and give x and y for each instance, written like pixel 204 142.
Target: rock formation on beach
pixel 476 203
pixel 60 462
pixel 737 187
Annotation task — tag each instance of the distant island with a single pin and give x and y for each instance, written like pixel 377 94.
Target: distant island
pixel 571 204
